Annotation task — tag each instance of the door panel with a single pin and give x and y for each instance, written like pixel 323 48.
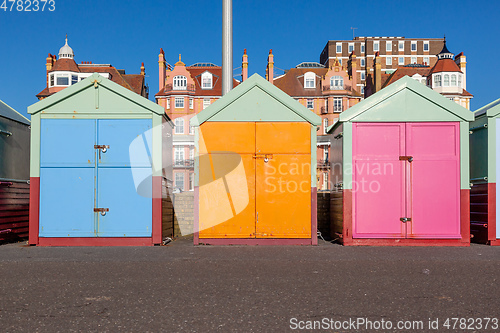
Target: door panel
pixel 130 213
pixel 435 180
pixel 283 196
pixel 119 134
pixel 378 180
pixel 237 137
pixel 283 138
pixel 67 143
pixel 66 202
pixel 226 196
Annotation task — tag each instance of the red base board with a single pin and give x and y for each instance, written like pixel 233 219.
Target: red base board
pixel 495 242
pixel 405 242
pixel 104 241
pixel 254 241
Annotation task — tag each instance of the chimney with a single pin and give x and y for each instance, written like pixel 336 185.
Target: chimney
pixel 353 65
pixel 143 70
pixel 461 61
pixel 49 64
pixel 244 66
pixel 270 67
pixel 161 70
pixel 377 72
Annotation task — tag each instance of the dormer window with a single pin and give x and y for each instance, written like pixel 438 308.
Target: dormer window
pixel 180 82
pixel 206 80
pixel 336 83
pixel 309 80
pixel 62 80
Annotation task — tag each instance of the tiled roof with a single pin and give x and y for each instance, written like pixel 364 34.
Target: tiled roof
pixel 445 65
pixel 65 65
pixel 135 81
pixel 292 82
pixel 402 71
pixel 44 93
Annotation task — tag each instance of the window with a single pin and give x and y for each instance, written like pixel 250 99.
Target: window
pixel 206 103
pixel 453 80
pixel 375 46
pixel 74 79
pixel 179 181
pixel 179 126
pixel 401 46
pixel 336 83
pixel 62 80
pixel 206 80
pixel 340 61
pixel 325 180
pixel 414 46
pixel 437 81
pixel 179 102
pixel 351 47
pixel 460 80
pixel 310 104
pixel 388 61
pixel 191 153
pixel 362 48
pixel 180 82
pixel 426 46
pixel 401 61
pixel 413 60
pixel 51 80
pixel 325 153
pixel 191 130
pixel 446 81
pixel 191 103
pixel 339 48
pixel 363 75
pixel 309 80
pixel 362 90
pixel 178 155
pixel 191 181
pixel 388 46
pixel 426 60
pixel 325 125
pixel 168 103
pixel 362 62
pixel 337 104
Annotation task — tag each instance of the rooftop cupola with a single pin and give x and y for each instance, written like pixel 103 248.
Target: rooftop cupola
pixel 445 54
pixel 66 52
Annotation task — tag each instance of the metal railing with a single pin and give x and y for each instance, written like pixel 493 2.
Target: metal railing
pixel 189 87
pixel 189 163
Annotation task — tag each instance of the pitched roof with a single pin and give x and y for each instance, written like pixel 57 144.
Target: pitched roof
pixel 292 82
pixel 65 65
pixel 445 65
pixel 491 109
pixel 135 81
pixel 8 112
pixel 404 71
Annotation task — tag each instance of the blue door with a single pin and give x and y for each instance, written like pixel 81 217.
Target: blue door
pixel 88 165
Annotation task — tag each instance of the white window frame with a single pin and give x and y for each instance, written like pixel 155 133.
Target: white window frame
pixel 179 102
pixel 337 104
pixel 437 80
pixel 168 103
pixel 206 103
pixel 388 46
pixel 52 80
pixel 401 60
pixel 460 80
pixel 363 76
pixel 179 82
pixel 388 61
pixel 413 45
pixel 362 62
pixel 325 125
pixel 178 154
pixel 191 103
pixel 446 80
pixel 336 83
pixel 362 48
pixel 179 178
pixel 351 47
pixel 401 46
pixel 308 78
pixel 413 60
pixel 310 103
pixel 453 80
pixel 325 180
pixel 206 80
pixel 179 125
pixel 376 46
pixel 338 47
pixel 426 61
pixel 426 46
pixel 362 90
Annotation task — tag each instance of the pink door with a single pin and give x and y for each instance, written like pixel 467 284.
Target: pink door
pixel 435 180
pixel 378 180
pixel 406 170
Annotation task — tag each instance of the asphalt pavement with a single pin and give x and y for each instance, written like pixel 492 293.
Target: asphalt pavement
pixel 186 288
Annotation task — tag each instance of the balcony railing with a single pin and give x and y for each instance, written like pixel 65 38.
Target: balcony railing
pixel 324 110
pixel 189 87
pixel 323 164
pixel 334 88
pixel 189 163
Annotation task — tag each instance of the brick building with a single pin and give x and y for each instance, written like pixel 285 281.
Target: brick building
pixel 63 71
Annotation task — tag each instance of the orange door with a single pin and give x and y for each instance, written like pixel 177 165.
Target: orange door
pixel 283 180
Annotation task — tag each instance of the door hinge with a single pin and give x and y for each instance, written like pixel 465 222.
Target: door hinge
pixel 406 158
pixel 103 148
pixel 266 157
pixel 405 219
pixel 101 210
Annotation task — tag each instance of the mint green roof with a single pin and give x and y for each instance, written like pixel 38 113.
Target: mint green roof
pixel 96 94
pixel 492 109
pixel 256 100
pixel 8 112
pixel 406 100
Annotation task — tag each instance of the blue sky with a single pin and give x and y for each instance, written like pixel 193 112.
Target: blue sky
pixel 126 33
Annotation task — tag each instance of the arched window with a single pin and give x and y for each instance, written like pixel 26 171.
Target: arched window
pixel 446 81
pixel 309 80
pixel 206 80
pixel 179 126
pixel 453 80
pixel 437 81
pixel 180 82
pixel 336 83
pixel 460 80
